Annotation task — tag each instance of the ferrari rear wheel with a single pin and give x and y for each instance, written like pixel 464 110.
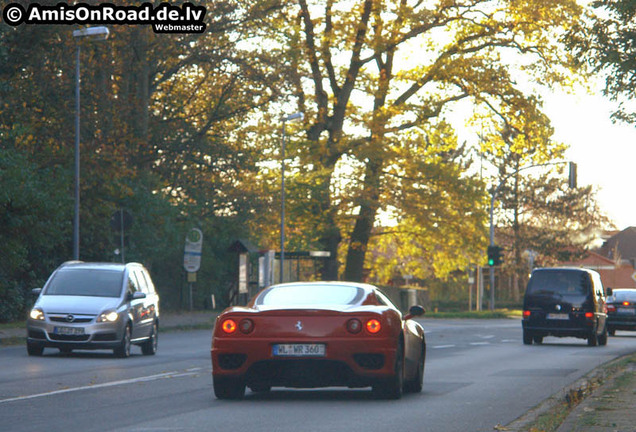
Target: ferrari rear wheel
pixel 392 387
pixel 228 387
pixel 417 384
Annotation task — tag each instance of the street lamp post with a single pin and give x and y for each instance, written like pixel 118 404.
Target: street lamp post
pixel 285 119
pixel 94 33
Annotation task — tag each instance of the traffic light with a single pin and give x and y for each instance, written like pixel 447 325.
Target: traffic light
pixel 494 256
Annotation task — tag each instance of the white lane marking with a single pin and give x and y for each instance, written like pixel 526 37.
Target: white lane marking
pixel 486 336
pixel 479 343
pixel 174 374
pixel 442 346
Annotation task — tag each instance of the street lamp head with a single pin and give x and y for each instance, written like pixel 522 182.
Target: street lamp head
pixel 95 33
pixel 294 116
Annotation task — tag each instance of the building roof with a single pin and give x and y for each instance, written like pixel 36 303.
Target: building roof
pixel 621 245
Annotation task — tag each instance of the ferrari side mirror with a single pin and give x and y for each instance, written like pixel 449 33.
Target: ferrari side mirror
pixel 415 311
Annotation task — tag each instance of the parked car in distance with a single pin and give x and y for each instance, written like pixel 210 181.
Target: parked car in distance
pixel 565 302
pixel 95 306
pixel 621 309
pixel 318 334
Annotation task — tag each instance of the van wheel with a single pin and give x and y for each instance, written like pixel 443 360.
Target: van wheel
pixel 123 350
pixel 34 349
pixel 602 339
pixel 150 346
pixel 537 339
pixel 592 340
pixel 527 337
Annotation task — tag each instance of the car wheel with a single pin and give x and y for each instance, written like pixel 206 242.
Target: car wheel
pixel 417 384
pixel 228 388
pixel 537 339
pixel 150 346
pixel 123 350
pixel 602 339
pixel 527 337
pixel 392 387
pixel 34 349
pixel 592 340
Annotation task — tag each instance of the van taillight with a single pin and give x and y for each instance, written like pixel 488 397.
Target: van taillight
pixel 526 314
pixel 589 315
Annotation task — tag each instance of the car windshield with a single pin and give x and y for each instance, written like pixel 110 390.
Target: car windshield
pixel 624 295
pixel 303 295
pixel 86 282
pixel 564 282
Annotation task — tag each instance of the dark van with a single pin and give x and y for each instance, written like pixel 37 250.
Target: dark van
pixel 564 302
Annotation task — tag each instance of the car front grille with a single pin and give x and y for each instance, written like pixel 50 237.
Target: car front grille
pixel 76 319
pixel 69 338
pixel 105 337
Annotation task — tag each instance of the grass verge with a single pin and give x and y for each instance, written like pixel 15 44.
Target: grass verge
pixel 496 314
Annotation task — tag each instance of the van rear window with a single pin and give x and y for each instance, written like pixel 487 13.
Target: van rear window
pixel 565 282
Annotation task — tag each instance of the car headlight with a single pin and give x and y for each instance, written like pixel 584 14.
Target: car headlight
pixel 108 316
pixel 37 314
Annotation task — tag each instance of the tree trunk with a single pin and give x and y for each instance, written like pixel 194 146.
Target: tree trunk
pixel 354 269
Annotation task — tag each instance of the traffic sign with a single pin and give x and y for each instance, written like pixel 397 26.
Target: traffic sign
pixel 192 250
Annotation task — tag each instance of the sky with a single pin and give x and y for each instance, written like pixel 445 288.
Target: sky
pixel 605 152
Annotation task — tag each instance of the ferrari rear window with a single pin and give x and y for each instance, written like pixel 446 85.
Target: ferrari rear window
pixel 310 295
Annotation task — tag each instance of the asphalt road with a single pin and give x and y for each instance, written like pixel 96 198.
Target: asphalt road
pixel 478 375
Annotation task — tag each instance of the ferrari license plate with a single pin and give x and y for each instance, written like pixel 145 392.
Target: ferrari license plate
pixel 299 350
pixel 74 331
pixel 558 316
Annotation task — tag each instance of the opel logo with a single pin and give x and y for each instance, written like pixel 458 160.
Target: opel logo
pixel 558 307
pixel 70 318
pixel 299 326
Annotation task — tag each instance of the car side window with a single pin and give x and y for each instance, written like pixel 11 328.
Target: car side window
pixel 147 282
pixel 133 285
pixel 141 281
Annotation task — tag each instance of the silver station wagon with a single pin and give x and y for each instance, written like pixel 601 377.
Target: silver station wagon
pixel 95 306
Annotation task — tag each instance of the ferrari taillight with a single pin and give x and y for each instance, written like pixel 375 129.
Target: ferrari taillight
pixel 229 326
pixel 373 326
pixel 354 326
pixel 246 326
pixel 625 303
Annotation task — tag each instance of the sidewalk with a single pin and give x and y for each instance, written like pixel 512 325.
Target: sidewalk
pixel 167 321
pixel 611 407
pixel 602 401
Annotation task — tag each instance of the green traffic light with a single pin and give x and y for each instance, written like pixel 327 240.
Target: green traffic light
pixel 491 262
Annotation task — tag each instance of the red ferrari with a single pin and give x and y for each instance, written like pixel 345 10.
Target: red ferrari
pixel 318 334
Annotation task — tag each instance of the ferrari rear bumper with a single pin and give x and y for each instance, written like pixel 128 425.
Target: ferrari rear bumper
pixel 347 362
